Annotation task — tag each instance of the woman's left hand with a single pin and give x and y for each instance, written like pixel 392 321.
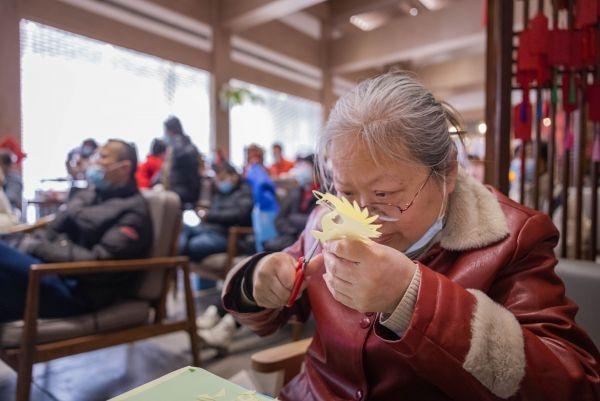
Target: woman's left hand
pixel 366 277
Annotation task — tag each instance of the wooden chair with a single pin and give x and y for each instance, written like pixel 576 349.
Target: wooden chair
pixel 36 340
pixel 287 358
pixel 216 267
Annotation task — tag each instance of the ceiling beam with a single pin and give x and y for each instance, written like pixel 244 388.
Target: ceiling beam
pixel 239 15
pixel 409 38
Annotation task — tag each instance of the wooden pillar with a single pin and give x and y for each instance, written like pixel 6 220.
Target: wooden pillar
pixel 221 73
pixel 10 70
pixel 327 96
pixel 498 90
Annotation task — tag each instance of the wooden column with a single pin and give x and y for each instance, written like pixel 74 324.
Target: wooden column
pixel 498 89
pixel 10 70
pixel 221 73
pixel 327 96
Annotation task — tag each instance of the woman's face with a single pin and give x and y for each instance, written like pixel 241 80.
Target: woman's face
pixel 357 177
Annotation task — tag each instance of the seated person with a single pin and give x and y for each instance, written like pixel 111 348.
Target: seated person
pixel 231 205
pixel 296 207
pixel 280 165
pixel 13 182
pixel 456 300
pixel 148 171
pixel 8 218
pixel 110 220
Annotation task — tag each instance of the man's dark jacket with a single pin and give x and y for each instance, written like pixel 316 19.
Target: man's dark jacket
pixel 232 209
pixel 114 224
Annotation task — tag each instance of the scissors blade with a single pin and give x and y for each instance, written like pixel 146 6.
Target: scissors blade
pixel 310 255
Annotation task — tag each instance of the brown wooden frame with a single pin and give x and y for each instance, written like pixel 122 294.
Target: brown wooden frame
pixel 233 236
pixel 287 358
pixel 21 359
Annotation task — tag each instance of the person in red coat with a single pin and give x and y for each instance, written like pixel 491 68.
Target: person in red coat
pixel 147 172
pixel 458 298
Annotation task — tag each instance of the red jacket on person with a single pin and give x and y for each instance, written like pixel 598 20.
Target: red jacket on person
pixel 490 320
pixel 147 171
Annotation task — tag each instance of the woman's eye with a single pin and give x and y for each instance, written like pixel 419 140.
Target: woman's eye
pixel 380 194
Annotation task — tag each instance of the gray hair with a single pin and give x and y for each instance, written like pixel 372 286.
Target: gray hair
pixel 392 115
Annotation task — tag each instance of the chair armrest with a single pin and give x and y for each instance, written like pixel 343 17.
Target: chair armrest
pixel 106 266
pixel 287 357
pixel 237 230
pixel 27 228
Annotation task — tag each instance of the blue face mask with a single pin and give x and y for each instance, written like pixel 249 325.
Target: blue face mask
pixel 225 187
pixel 96 176
pixel 434 230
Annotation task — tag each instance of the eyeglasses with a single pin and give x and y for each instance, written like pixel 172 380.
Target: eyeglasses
pixel 390 212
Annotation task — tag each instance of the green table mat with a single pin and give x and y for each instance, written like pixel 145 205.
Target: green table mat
pixel 188 384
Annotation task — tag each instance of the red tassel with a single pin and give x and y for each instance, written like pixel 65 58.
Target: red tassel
pixel 522 121
pixel 593 98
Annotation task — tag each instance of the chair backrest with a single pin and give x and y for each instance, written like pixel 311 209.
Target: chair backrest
pixel 582 280
pixel 165 211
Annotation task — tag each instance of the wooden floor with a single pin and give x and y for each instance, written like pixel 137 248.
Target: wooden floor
pixel 103 374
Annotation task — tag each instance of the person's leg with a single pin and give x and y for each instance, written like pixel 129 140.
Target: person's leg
pixel 55 297
pixel 206 243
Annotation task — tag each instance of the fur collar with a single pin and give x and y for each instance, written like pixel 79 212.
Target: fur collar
pixel 475 218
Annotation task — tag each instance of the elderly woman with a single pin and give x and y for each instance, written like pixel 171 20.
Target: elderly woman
pixel 457 300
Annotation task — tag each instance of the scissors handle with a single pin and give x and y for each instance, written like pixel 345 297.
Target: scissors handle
pixel 298 280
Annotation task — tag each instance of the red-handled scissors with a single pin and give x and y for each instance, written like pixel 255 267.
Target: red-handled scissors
pixel 300 273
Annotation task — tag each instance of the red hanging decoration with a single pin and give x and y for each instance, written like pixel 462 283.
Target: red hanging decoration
pixel 540 35
pixel 586 13
pixel 593 97
pixel 576 44
pixel 569 94
pixel 560 51
pixel 522 120
pixel 589 46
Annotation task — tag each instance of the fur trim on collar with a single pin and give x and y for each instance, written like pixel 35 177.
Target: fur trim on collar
pixel 475 218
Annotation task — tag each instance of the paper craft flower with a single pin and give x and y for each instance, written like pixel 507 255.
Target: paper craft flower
pixel 345 220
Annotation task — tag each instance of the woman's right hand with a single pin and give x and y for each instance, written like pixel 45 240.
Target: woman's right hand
pixel 274 277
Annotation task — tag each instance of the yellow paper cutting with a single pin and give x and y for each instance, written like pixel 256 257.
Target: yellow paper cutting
pixel 345 220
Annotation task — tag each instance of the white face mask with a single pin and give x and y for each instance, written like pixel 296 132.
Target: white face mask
pixel 435 228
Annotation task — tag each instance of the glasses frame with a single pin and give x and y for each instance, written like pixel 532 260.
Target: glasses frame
pixel 407 205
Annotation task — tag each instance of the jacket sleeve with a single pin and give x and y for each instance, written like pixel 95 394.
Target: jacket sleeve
pixel 261 320
pixel 519 340
pixel 127 239
pixel 233 215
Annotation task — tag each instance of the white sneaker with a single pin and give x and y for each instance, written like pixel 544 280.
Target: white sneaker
pixel 208 319
pixel 220 336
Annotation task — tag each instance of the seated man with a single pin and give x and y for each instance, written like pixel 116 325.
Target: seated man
pixel 110 220
pixel 231 205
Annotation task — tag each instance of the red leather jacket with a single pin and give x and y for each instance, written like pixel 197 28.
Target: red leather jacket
pixel 491 320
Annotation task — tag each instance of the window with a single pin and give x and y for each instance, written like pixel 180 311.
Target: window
pixel 293 121
pixel 74 88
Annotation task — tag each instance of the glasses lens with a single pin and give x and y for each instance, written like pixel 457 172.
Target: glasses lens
pixel 386 213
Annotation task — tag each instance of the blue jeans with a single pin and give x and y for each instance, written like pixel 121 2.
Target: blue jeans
pixel 199 242
pixel 56 299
